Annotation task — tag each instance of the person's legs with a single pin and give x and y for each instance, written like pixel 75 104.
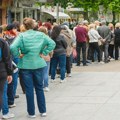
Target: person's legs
pixel 62 64
pixel 10 93
pixel 116 51
pixel 78 49
pixel 15 82
pixel 3 78
pixel 46 73
pixel 68 64
pixel 5 108
pixel 84 52
pixel 54 63
pixel 97 50
pixel 106 55
pixel 22 83
pixel 38 83
pixel 27 76
pixel 15 77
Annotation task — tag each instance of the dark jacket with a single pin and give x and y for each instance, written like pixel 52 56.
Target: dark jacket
pixel 61 45
pixel 105 33
pixel 117 35
pixel 5 58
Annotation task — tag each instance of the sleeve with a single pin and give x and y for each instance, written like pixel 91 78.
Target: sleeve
pixel 64 43
pixel 49 45
pixel 7 59
pixel 15 46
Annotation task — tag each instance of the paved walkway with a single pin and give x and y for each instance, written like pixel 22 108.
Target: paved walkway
pixel 85 96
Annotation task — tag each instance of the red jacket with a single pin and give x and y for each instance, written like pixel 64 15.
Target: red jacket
pixel 81 34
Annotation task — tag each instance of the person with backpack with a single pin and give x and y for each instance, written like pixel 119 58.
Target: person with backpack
pixel 9 35
pixel 5 66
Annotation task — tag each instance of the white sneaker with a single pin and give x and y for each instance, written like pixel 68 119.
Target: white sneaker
pixel 68 75
pixel 101 62
pixel 32 116
pixel 11 106
pixel 46 89
pixel 8 116
pixel 43 114
pixel 62 81
pixel 52 81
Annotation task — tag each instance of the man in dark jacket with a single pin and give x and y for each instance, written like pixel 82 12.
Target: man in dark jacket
pixel 5 65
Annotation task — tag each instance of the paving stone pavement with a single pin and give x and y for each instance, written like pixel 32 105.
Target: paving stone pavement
pixel 90 94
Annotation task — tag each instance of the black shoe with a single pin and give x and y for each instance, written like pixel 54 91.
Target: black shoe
pixel 85 64
pixel 16 96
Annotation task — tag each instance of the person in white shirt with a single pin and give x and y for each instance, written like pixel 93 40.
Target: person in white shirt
pixel 93 41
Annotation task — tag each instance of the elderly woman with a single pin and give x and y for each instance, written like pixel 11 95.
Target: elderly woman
pixel 31 44
pixel 93 41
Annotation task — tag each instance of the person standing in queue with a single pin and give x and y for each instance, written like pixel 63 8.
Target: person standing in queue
pixel 29 45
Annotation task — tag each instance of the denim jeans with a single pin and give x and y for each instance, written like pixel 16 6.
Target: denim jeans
pixel 34 79
pixel 61 60
pixel 3 77
pixel 13 85
pixel 46 73
pixel 5 108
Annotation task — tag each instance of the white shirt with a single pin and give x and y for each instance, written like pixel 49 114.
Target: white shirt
pixel 93 35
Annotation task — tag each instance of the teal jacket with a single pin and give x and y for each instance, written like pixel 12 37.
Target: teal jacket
pixel 32 43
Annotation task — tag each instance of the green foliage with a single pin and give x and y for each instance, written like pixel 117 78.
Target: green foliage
pixel 91 4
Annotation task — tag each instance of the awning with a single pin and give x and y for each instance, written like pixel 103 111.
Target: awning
pixel 61 15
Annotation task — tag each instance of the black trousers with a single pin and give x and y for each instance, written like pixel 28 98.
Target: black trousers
pixel 111 50
pixel 81 46
pixel 94 47
pixel 3 78
pixel 68 64
pixel 117 46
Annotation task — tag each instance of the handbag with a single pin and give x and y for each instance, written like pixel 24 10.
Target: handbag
pixel 101 41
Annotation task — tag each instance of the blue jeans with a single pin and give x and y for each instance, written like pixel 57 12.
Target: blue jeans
pixel 13 85
pixel 46 73
pixel 61 60
pixel 31 79
pixel 5 108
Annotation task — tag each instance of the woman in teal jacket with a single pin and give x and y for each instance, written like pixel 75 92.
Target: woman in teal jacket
pixel 29 46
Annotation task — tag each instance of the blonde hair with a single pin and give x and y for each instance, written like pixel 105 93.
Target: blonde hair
pixel 92 26
pixel 28 23
pixel 117 25
pixel 22 28
pixel 43 29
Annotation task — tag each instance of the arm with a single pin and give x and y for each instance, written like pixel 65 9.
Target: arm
pixel 50 45
pixel 15 46
pixel 64 43
pixel 7 59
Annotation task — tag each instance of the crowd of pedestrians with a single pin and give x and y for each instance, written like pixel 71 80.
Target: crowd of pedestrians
pixel 31 52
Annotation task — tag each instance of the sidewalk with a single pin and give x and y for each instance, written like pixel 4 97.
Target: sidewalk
pixel 85 96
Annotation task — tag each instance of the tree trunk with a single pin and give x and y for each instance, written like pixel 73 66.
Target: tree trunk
pixel 86 15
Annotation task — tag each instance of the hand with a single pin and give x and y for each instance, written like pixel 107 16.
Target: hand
pixel 21 55
pixel 9 79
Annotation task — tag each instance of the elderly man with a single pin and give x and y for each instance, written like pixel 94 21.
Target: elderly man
pixel 105 33
pixel 81 39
